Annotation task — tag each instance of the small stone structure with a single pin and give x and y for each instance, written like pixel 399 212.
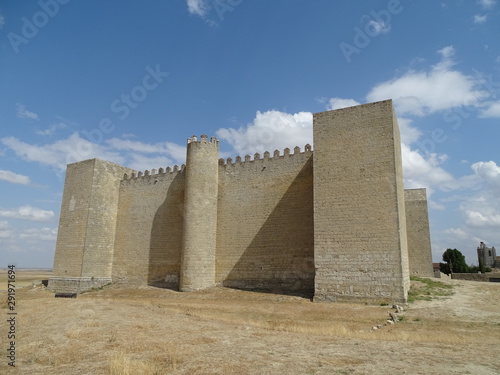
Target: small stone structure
pixel 487 256
pixel 335 222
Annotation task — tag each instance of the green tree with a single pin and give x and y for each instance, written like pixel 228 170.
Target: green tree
pixel 455 262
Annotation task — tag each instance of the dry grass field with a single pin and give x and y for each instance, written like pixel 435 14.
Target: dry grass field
pixel 24 277
pixel 120 331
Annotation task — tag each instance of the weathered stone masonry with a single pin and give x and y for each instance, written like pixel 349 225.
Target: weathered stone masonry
pixel 335 222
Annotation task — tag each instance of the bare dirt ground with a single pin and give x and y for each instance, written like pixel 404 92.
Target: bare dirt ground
pixel 223 331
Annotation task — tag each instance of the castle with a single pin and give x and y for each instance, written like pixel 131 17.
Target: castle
pixel 334 222
pixel 487 256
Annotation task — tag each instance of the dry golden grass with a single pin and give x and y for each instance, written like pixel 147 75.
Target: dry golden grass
pixel 223 331
pixel 24 277
pixel 122 363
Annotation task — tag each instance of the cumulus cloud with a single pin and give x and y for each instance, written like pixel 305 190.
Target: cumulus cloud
pixel 39 234
pixel 27 212
pixel 5 230
pixel 457 232
pixel 423 92
pixel 479 209
pixel 492 109
pixel 338 103
pixel 408 133
pixel 479 19
pixel 489 171
pixel 142 162
pixel 14 177
pixel 51 129
pixel 420 171
pixel 198 7
pixel 486 217
pixel 378 27
pixel 23 113
pixel 126 152
pixel 62 152
pixel 487 4
pixel 141 155
pixel 177 152
pixel 270 130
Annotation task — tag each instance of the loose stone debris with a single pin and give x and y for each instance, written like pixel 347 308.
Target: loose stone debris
pixel 393 318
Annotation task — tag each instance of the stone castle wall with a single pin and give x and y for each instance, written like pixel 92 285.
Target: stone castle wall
pixel 264 231
pixel 333 224
pixel 150 229
pixel 419 238
pixel 265 222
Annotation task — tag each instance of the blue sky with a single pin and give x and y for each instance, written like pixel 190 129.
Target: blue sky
pixel 129 81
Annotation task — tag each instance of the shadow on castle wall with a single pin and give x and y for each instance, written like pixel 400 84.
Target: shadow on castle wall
pixel 166 238
pixel 280 258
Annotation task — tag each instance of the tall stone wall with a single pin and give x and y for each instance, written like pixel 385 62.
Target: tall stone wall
pixel 265 222
pixel 360 245
pixel 84 249
pixel 149 229
pixel 419 238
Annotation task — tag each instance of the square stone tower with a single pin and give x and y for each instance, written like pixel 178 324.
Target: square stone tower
pixel 419 238
pixel 360 244
pixel 86 236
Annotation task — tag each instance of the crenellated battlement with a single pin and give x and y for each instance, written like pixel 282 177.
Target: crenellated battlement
pixel 160 172
pixel 203 139
pixel 266 156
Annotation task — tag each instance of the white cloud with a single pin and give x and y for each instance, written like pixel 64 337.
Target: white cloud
pixel 487 4
pixel 51 129
pixel 480 208
pixel 458 233
pixel 23 113
pixel 126 152
pixel 169 148
pixel 167 153
pixel 480 19
pixel 270 130
pixel 489 171
pixel 5 230
pixel 39 234
pixel 420 171
pixel 141 162
pixel 482 212
pixel 483 218
pixel 379 27
pixel 62 152
pixel 338 103
pixel 423 92
pixel 2 21
pixel 198 7
pixel 492 110
pixel 408 133
pixel 27 212
pixel 14 177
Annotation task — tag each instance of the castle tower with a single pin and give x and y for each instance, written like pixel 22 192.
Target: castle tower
pixel 360 243
pixel 85 240
pixel 200 214
pixel 418 233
